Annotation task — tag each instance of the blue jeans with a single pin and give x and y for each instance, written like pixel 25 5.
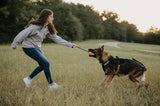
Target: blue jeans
pixel 38 56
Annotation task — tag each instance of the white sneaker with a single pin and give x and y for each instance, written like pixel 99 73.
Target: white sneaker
pixel 27 81
pixel 54 86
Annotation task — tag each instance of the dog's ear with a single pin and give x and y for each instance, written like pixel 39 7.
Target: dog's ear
pixel 102 48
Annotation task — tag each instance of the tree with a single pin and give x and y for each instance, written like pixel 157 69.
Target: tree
pixel 152 36
pixel 109 20
pixel 132 33
pixel 67 24
pixel 90 20
pixel 123 30
pixel 11 14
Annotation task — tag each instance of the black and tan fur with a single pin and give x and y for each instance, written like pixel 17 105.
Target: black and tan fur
pixel 119 66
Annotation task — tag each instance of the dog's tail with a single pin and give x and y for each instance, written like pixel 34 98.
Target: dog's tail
pixel 142 65
pixel 141 78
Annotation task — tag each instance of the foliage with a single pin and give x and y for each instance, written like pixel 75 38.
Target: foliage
pixel 90 20
pixel 68 25
pixel 73 22
pixel 152 38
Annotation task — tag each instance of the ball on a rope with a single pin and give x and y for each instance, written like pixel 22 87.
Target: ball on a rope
pixel 90 53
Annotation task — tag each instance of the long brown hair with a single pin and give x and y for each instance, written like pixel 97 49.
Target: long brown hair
pixel 42 19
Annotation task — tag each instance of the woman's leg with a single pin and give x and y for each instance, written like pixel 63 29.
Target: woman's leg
pixel 37 55
pixel 35 72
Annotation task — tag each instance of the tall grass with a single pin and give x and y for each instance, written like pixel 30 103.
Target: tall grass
pixel 79 75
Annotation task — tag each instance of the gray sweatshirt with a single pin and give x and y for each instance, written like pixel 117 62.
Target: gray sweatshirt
pixel 32 37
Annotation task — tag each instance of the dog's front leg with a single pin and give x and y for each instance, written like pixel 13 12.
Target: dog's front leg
pixel 110 80
pixel 104 80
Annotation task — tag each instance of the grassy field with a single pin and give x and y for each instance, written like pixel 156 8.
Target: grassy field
pixel 79 75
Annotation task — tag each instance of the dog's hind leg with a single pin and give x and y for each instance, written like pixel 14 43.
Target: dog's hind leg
pixel 104 80
pixel 110 80
pixel 145 83
pixel 142 80
pixel 138 85
pixel 135 81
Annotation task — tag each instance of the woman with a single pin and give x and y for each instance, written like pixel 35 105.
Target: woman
pixel 32 37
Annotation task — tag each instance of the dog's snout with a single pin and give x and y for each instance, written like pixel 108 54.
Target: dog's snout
pixel 90 50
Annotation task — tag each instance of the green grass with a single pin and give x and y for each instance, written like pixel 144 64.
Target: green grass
pixel 80 76
pixel 137 46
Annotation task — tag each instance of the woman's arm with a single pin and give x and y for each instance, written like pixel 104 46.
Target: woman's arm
pixel 21 36
pixel 61 41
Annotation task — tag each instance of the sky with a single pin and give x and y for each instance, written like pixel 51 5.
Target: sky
pixel 142 13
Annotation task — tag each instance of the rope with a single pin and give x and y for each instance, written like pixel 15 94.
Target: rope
pixel 82 49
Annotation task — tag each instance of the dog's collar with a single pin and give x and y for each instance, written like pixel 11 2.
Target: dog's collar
pixel 105 63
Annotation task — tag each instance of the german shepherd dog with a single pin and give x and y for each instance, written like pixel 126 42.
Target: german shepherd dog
pixel 119 66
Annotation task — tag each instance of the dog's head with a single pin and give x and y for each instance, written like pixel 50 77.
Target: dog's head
pixel 99 54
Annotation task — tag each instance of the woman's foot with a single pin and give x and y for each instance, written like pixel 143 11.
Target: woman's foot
pixel 54 86
pixel 27 81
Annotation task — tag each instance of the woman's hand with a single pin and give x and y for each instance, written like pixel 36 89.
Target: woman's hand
pixel 74 46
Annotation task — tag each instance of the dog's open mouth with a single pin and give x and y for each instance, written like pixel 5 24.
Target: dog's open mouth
pixel 91 53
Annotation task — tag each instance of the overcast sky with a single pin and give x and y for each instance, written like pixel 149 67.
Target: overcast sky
pixel 142 13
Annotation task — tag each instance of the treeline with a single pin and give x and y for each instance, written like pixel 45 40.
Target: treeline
pixel 72 21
